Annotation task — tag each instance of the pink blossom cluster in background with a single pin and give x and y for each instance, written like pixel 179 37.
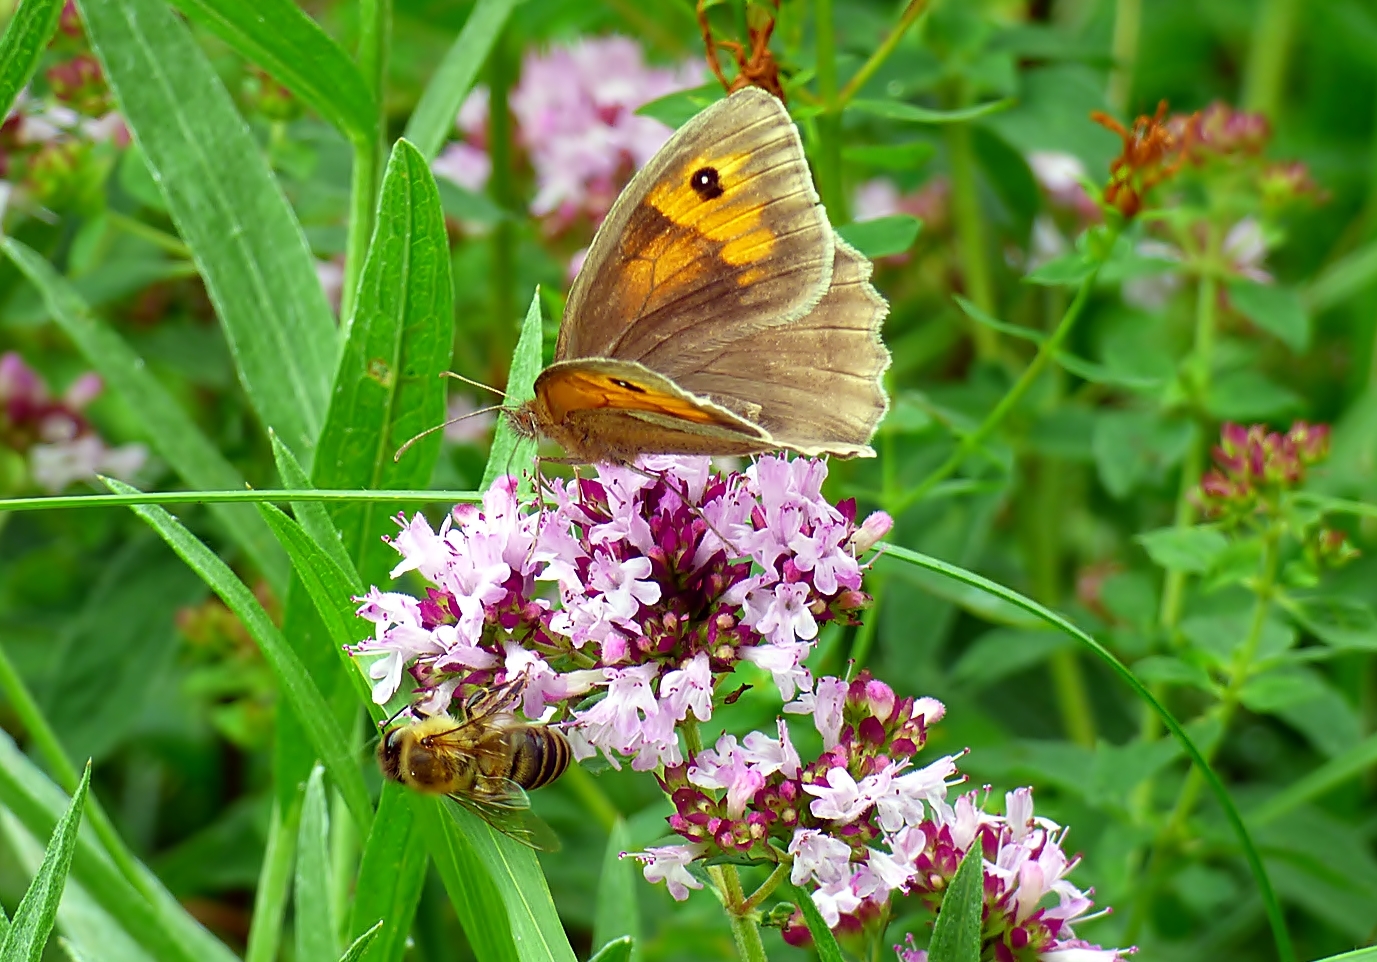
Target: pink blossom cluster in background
pixel 575 113
pixel 59 443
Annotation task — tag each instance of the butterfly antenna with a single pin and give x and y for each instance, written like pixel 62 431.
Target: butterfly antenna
pixel 466 380
pixel 387 722
pixel 440 427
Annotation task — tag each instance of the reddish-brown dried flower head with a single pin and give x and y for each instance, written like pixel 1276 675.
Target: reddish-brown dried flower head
pixel 1151 153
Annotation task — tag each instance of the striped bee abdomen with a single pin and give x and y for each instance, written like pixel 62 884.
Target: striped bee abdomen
pixel 539 756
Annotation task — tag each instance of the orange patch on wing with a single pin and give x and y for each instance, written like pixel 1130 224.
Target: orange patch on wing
pixel 574 390
pixel 731 219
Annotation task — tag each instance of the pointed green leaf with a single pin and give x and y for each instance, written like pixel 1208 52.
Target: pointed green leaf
pixel 392 871
pixel 1192 550
pixel 300 691
pixel 37 911
pixel 274 880
pixel 882 236
pixel 511 452
pixel 359 946
pixel 313 515
pixel 956 936
pixel 279 37
pixel 26 36
pixel 389 388
pixel 228 208
pixel 315 922
pixel 618 950
pixel 823 939
pixel 433 120
pixel 496 886
pixel 1278 310
pixel 616 913
pixel 168 429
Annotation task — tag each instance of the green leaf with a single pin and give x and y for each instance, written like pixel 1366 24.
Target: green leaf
pixel 901 158
pixel 676 109
pixel 616 911
pixel 315 922
pixel 1339 621
pixel 34 918
pixel 1003 652
pixel 882 236
pixel 359 946
pixel 247 243
pixel 1277 310
pixel 495 884
pixel 618 950
pixel 956 935
pixel 823 940
pixel 433 119
pixel 275 877
pixel 300 691
pixel 26 36
pixel 1249 395
pixel 1003 327
pixel 169 430
pixel 1068 270
pixel 509 451
pixel 149 913
pixel 467 205
pixel 392 872
pixel 1100 374
pixel 388 388
pixel 279 37
pixel 1359 955
pixel 1191 550
pixel 912 113
pixel 1131 447
pixel 312 515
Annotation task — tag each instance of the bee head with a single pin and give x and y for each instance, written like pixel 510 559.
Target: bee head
pixel 390 752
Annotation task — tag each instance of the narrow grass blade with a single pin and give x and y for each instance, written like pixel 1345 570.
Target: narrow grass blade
pixel 149 913
pixel 313 516
pixel 392 871
pixel 228 208
pixel 433 119
pixel 388 387
pixel 823 939
pixel 496 886
pixel 168 429
pixel 315 924
pixel 284 41
pixel 359 946
pixel 1245 841
pixel 616 912
pixel 274 878
pixel 37 911
pixel 956 936
pixel 509 451
pixel 27 34
pixel 296 685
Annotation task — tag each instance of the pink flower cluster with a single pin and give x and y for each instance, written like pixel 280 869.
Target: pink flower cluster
pixel 575 112
pixel 60 443
pixel 643 587
pixel 1252 464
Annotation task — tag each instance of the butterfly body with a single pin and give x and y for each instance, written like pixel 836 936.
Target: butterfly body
pixel 717 312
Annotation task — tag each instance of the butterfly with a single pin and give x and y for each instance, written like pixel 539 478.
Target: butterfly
pixel 717 311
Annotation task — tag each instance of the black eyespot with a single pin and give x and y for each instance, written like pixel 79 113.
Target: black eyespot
pixel 627 385
pixel 705 183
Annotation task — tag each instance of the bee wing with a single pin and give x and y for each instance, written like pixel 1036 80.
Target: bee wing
pixel 516 822
pixel 492 701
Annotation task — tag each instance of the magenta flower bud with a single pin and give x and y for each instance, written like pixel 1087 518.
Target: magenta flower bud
pixel 872 732
pixel 880 699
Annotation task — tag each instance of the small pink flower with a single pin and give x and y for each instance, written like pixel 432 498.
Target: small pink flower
pixel 465 165
pixel 769 755
pixel 787 616
pixel 669 864
pixel 819 856
pixel 688 689
pixel 840 800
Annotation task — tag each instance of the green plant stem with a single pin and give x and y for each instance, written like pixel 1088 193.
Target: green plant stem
pixel 1269 54
pixel 170 243
pixel 972 242
pixel 501 76
pixel 887 46
pixel 375 34
pixel 65 774
pixel 1128 17
pixel 1239 672
pixel 970 442
pixel 274 883
pixel 287 495
pixel 828 161
pixel 767 887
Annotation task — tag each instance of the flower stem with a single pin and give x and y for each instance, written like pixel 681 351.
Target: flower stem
pixel 767 887
pixel 970 233
pixel 1268 56
pixel 501 70
pixel 1046 352
pixel 1239 673
pixel 170 243
pixel 1128 17
pixel 375 33
pixel 744 928
pixel 882 53
pixel 829 121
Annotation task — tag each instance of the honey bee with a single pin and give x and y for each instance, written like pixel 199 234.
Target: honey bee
pixel 485 760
